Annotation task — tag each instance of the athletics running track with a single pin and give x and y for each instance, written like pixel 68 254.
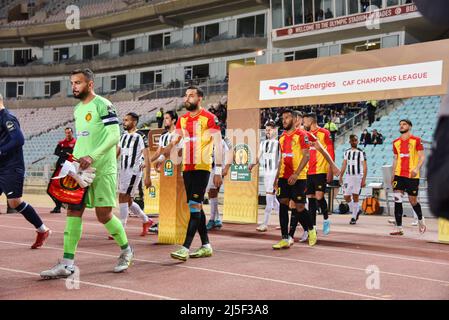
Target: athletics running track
pixel 353 262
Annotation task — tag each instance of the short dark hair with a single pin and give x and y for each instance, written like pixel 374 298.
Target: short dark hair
pixel 287 111
pixel 298 114
pixel 68 128
pixel 353 136
pixel 406 121
pixel 270 123
pixel 89 74
pixel 199 92
pixel 173 115
pixel 134 116
pixel 311 115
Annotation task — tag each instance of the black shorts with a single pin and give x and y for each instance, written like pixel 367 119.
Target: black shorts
pixel 296 192
pixel 316 182
pixel 411 186
pixel 11 183
pixel 195 183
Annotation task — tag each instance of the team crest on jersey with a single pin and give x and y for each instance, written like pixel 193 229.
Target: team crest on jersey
pixel 69 183
pixel 88 117
pixel 9 125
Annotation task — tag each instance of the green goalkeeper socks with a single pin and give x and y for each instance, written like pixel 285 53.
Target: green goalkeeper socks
pixel 72 235
pixel 117 231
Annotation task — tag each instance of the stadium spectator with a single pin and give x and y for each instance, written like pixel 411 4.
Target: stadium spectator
pixel 371 106
pixel 365 138
pixel 63 149
pixel 328 14
pixel 160 117
pixel 377 138
pixel 332 127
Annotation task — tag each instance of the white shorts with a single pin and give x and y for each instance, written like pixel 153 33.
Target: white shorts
pixel 210 184
pixel 268 182
pixel 129 182
pixel 352 185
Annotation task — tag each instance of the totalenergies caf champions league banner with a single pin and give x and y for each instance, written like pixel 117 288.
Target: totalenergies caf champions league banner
pixel 404 76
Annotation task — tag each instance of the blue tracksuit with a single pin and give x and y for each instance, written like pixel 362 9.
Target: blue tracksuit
pixel 12 166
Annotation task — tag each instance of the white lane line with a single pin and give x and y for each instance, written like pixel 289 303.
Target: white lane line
pixel 321 247
pixel 278 258
pixel 93 284
pixel 332 265
pixel 218 271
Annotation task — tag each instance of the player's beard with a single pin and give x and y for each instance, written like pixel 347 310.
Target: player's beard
pixel 167 127
pixel 288 127
pixel 82 95
pixel 307 128
pixel 191 106
pixel 403 131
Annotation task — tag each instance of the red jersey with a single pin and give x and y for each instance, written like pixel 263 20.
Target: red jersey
pixel 407 153
pixel 198 143
pixel 291 145
pixel 318 163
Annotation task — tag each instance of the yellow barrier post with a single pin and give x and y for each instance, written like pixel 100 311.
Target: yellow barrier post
pixel 173 208
pixel 443 230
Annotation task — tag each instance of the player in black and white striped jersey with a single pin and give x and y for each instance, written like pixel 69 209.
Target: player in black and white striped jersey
pixel 356 168
pixel 212 191
pixel 170 119
pixel 130 150
pixel 269 154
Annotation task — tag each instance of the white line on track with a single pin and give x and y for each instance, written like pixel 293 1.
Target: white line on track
pixel 275 258
pixel 317 247
pixel 93 284
pixel 219 272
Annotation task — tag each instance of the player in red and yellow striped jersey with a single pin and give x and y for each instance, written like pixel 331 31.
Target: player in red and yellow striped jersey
pixel 200 133
pixel 290 181
pixel 320 170
pixel 408 160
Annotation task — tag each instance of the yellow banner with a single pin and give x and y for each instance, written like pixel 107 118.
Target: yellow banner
pixel 151 196
pixel 443 230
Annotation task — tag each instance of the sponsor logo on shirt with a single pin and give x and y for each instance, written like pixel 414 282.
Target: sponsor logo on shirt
pixel 83 133
pixel 404 155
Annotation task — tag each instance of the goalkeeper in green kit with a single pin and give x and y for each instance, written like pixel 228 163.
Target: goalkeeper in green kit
pixel 98 134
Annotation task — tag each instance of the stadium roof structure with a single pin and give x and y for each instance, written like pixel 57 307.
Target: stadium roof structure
pixel 148 16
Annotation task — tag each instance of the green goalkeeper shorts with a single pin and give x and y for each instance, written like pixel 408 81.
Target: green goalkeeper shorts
pixel 102 192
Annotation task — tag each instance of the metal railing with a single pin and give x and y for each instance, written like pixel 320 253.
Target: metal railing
pixel 207 85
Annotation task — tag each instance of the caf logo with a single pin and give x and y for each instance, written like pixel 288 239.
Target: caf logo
pixel 69 183
pixel 152 192
pixel 168 165
pixel 88 117
pixel 241 156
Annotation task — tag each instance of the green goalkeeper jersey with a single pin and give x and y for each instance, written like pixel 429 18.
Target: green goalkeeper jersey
pixel 98 133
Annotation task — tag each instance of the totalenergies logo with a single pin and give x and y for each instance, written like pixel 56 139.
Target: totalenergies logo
pixel 280 89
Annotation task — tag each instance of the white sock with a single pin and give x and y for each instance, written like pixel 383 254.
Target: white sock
pixel 351 205
pixel 208 246
pixel 275 204
pixel 268 208
pixel 355 209
pixel 214 208
pixel 42 228
pixel 135 208
pixel 68 262
pixel 123 213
